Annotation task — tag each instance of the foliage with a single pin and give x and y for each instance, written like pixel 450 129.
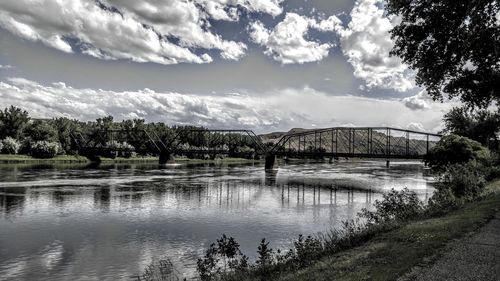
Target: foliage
pixel 493 173
pixel 122 149
pixel 265 254
pixel 452 45
pixel 396 206
pixel 45 149
pixel 12 122
pixel 442 201
pixel 221 257
pixel 463 180
pixel 306 250
pixel 10 145
pixel 40 130
pixel 453 149
pixel 480 125
pixel 65 128
pixel 130 137
pixel 159 271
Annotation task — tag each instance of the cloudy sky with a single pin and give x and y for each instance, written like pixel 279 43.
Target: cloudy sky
pixel 265 65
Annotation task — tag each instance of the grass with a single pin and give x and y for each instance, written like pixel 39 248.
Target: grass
pixel 391 255
pixel 19 159
pixel 26 159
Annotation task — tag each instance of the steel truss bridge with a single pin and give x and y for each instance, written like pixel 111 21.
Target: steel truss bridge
pixel 338 142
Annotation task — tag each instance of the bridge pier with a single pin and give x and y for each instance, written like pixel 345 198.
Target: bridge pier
pixel 166 157
pixel 270 162
pixel 388 164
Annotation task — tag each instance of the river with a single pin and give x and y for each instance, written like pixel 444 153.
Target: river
pixel 110 222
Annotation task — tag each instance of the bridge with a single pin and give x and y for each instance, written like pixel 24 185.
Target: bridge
pixel 337 142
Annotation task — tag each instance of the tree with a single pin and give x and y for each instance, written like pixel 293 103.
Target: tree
pixel 480 125
pixel 454 46
pixel 66 130
pixel 40 130
pixel 12 122
pixel 453 149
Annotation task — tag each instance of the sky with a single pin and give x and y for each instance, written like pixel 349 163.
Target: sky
pixel 264 65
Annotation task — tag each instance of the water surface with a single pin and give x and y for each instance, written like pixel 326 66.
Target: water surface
pixel 110 222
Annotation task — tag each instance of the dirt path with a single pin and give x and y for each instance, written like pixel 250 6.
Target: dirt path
pixel 473 258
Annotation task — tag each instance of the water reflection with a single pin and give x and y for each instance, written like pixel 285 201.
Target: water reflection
pixel 108 223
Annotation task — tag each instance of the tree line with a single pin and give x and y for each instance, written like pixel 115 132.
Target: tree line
pixel 46 138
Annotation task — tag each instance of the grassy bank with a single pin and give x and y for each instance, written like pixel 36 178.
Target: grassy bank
pixel 391 255
pixel 65 159
pixel 26 159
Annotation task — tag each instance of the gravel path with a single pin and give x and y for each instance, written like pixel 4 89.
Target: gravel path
pixel 473 258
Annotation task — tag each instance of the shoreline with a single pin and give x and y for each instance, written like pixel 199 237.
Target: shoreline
pixel 7 159
pixel 397 254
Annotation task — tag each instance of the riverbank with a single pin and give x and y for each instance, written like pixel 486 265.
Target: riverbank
pixel 76 159
pixel 392 255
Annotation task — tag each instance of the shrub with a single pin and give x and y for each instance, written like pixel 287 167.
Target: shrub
pixel 222 258
pixel 45 149
pixel 265 259
pixel 453 149
pixel 463 180
pixel 396 206
pixel 159 270
pixel 122 149
pixel 493 173
pixel 442 201
pixel 10 146
pixel 306 250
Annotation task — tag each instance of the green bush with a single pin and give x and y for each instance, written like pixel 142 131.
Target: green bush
pixel 465 181
pixel 493 173
pixel 122 149
pixel 10 145
pixel 222 258
pixel 453 149
pixel 442 201
pixel 396 206
pixel 45 149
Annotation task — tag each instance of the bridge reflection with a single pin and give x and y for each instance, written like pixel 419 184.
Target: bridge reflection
pixel 228 195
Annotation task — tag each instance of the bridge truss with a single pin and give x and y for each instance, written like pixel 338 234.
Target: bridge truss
pixel 368 142
pixel 336 142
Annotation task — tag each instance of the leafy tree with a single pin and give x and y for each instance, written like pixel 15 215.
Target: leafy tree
pixel 12 122
pixel 453 149
pixel 40 130
pixel 480 125
pixel 65 129
pixel 454 46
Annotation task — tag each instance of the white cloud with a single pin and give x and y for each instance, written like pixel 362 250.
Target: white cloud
pixel 287 44
pixel 275 110
pixel 228 9
pixel 415 126
pixel 164 32
pixel 420 101
pixel 366 42
pixel 7 66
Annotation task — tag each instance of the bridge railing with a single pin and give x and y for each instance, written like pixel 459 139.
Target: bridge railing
pixel 376 142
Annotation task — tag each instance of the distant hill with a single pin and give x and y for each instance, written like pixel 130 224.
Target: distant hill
pixel 274 137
